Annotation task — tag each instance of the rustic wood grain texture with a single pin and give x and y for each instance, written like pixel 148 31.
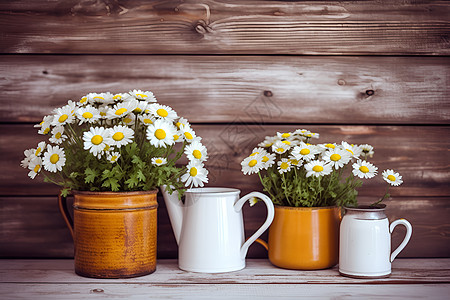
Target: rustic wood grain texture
pixel 224 27
pixel 288 89
pixel 257 271
pixel 419 153
pixel 33 227
pixel 50 279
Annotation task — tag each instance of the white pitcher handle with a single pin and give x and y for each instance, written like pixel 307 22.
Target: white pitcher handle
pixel 270 214
pixel 405 240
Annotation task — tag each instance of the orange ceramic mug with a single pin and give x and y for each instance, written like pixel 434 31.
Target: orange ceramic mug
pixel 304 238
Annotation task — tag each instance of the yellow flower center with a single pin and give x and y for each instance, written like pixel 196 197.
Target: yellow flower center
pixel 97 139
pixel 265 159
pixel 294 161
pixel 349 151
pixel 252 163
pixel 162 112
pixel 58 135
pixel 317 168
pixel 160 134
pixel 193 171
pixel 280 150
pixel 46 130
pixel 138 110
pixel 121 111
pixel 87 115
pixel 268 145
pixel 127 120
pixel 254 153
pixel 286 142
pixel 305 151
pixel 197 154
pixel 188 135
pixel 330 146
pixel 178 124
pixel 117 97
pixel 38 151
pixel 391 177
pixel 41 122
pixel 114 158
pixel 37 168
pixel 159 161
pixel 285 135
pixel 364 169
pixel 142 95
pixel 335 157
pixel 107 147
pixel 54 158
pixel 102 113
pixel 99 98
pixel 83 100
pixel 176 137
pixel 62 118
pixel 284 165
pixel 118 136
pixel 148 121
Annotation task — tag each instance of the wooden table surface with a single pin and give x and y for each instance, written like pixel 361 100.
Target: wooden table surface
pixel 55 279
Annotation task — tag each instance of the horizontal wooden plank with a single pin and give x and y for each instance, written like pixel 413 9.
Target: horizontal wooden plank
pixel 33 227
pixel 223 291
pixel 336 90
pixel 226 27
pixel 419 153
pixel 257 271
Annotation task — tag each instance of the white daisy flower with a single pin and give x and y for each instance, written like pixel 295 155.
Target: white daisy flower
pixel 112 156
pixel 279 147
pixel 304 152
pixel 196 151
pixel 295 162
pixel 317 168
pixel 121 109
pixel 58 135
pixel 54 158
pixel 62 116
pixel 327 146
pixel 35 166
pixel 364 169
pixel 162 112
pixel 129 119
pixel 188 134
pixel 119 136
pixel 141 107
pixel 253 200
pixel 29 155
pixel 178 137
pixel 284 135
pixel 182 121
pixel 160 133
pixel 95 140
pixel 46 122
pixel 252 164
pixel 121 97
pixel 39 149
pixel 159 161
pixel 88 114
pixel 147 119
pixel 392 177
pixel 354 150
pixel 103 111
pixel 268 141
pixel 83 101
pixel 140 95
pixel 100 98
pixel 70 106
pixel 268 159
pixel 367 150
pixel 196 175
pixel 337 157
pixel 258 150
pixel 284 165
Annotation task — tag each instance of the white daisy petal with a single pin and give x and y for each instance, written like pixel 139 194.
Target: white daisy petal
pixel 196 175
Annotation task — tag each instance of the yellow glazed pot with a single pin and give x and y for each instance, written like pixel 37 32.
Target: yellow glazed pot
pixel 304 238
pixel 114 233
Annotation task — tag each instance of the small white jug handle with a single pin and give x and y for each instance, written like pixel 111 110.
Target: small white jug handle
pixel 270 214
pixel 405 240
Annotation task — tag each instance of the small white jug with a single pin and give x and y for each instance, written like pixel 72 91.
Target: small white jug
pixel 365 242
pixel 209 228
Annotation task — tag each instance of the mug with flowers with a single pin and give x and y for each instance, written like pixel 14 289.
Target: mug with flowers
pixel 117 142
pixel 297 173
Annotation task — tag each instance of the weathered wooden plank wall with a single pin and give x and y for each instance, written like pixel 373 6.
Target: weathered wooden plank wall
pixel 373 72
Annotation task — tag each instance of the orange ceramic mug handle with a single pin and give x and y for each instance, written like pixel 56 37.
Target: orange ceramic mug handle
pixel 263 243
pixel 62 204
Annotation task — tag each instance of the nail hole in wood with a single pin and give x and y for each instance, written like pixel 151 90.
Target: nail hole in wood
pixel 97 290
pixel 45 72
pixel 268 93
pixel 370 92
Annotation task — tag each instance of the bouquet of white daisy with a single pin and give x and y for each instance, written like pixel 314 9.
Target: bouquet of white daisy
pixel 297 173
pixel 117 142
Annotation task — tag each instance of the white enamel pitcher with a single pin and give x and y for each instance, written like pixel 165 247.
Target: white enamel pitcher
pixel 365 242
pixel 209 228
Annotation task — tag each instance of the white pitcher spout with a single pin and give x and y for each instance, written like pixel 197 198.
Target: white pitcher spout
pixel 175 210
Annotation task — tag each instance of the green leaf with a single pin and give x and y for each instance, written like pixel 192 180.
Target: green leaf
pixel 141 176
pixel 90 175
pixel 111 183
